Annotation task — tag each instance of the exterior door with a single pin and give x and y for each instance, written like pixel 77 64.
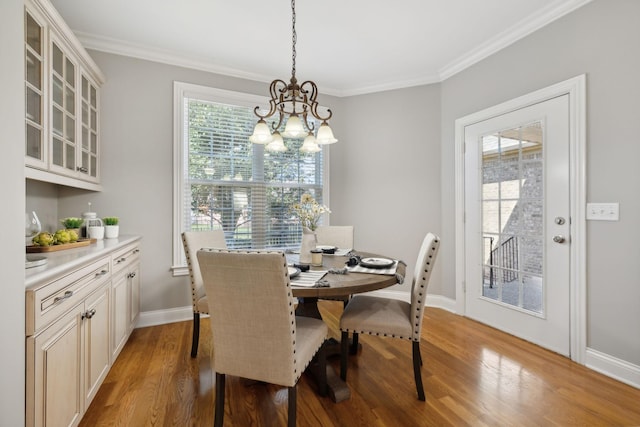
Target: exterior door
pixel 517 226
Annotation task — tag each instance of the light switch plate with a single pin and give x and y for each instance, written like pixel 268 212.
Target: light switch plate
pixel 603 211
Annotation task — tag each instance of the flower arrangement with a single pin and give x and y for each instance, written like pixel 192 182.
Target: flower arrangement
pixel 309 211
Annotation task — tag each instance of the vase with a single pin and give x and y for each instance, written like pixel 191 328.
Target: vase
pixel 309 241
pixel 111 231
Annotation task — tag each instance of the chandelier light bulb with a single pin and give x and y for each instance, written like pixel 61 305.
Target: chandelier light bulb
pixel 325 135
pixel 261 133
pixel 277 144
pixel 294 128
pixel 309 145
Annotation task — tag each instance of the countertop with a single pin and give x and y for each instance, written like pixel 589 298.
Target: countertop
pixel 61 262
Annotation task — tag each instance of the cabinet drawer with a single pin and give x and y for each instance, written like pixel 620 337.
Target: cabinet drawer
pixel 124 257
pixel 44 305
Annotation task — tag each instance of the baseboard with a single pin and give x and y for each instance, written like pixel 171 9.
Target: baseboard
pixel 160 317
pixel 613 367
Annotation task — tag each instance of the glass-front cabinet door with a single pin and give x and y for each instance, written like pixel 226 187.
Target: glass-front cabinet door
pixel 36 147
pixel 63 109
pixel 89 149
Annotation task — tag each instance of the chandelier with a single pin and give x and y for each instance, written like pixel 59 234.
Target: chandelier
pixel 298 105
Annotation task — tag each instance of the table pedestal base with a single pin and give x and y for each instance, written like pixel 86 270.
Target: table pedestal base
pixel 336 388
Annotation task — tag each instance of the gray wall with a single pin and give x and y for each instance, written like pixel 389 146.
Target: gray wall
pixel 12 313
pixel 600 39
pixel 385 173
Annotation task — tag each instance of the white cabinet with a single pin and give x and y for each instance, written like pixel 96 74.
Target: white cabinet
pixel 54 372
pixel 96 324
pixel 67 342
pixel 125 295
pixel 62 86
pixel 77 321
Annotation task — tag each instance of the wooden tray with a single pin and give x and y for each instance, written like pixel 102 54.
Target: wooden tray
pixel 32 249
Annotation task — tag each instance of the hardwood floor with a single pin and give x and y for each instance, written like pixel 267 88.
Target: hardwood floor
pixel 473 376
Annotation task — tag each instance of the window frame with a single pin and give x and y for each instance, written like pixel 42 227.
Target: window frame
pixel 182 90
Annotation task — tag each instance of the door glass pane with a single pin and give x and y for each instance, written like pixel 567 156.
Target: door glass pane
pixel 33 106
pixel 93 120
pixel 94 143
pixel 33 140
pixel 58 118
pixel 71 129
pixel 58 91
pixel 70 101
pixel 85 113
pixel 71 157
pixel 58 60
pixel 512 216
pixel 70 73
pixel 94 166
pixel 85 138
pixel 34 34
pixel 34 76
pixel 58 149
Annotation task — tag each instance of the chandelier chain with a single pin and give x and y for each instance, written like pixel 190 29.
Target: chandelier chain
pixel 294 37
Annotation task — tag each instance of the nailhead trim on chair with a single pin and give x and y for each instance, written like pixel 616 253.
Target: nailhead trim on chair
pixel 194 297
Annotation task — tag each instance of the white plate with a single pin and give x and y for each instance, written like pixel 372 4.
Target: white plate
pixel 376 262
pixel 293 272
pixel 323 247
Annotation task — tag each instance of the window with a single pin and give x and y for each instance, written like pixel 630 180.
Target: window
pixel 223 181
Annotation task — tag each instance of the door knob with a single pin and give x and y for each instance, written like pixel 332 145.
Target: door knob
pixel 558 238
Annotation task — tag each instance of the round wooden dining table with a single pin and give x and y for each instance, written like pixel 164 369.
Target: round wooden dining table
pixel 339 285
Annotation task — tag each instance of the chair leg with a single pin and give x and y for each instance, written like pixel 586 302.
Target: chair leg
pixel 292 406
pixel 196 334
pixel 354 344
pixel 344 350
pixel 321 359
pixel 417 361
pixel 219 415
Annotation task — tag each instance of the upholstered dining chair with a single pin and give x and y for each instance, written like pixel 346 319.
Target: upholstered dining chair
pixel 340 236
pixel 192 242
pixel 366 314
pixel 256 334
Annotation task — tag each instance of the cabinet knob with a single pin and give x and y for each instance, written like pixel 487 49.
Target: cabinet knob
pixel 89 314
pixel 102 273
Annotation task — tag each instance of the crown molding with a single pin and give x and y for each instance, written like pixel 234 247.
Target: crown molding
pixel 511 35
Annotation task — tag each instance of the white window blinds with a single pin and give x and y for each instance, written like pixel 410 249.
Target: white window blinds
pixel 231 184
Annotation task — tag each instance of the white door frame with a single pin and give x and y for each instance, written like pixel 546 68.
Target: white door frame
pixel 576 89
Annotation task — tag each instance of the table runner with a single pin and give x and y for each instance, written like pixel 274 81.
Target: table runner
pixel 390 271
pixel 308 279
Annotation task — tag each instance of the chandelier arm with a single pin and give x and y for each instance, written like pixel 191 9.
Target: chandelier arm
pixel 273 102
pixel 312 102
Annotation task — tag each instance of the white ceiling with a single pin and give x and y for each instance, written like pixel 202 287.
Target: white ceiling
pixel 346 46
